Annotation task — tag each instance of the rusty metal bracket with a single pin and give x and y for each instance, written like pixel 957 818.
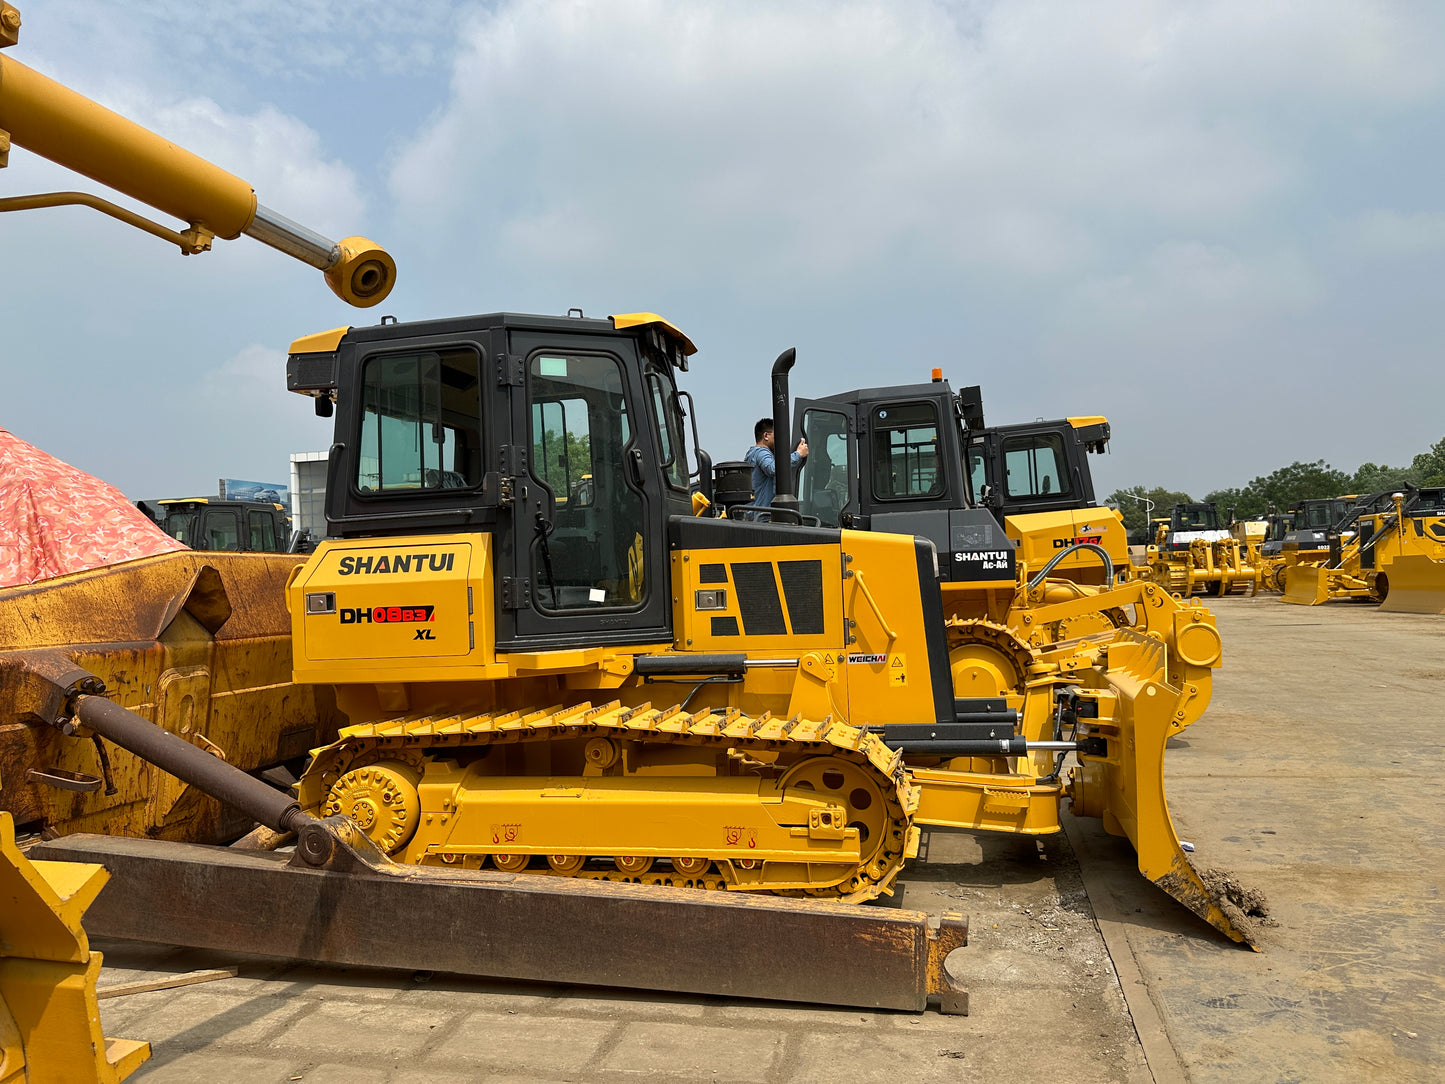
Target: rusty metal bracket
pixel 353 906
pixel 9 26
pixel 63 779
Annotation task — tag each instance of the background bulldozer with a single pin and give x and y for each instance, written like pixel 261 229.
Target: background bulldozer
pixel 1193 553
pixel 1375 554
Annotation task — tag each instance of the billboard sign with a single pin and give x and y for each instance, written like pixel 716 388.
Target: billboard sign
pixel 236 489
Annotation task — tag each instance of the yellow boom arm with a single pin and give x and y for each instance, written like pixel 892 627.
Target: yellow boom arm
pixel 55 122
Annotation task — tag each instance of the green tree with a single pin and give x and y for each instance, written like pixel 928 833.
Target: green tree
pixel 1132 506
pixel 1372 478
pixel 1297 482
pixel 1429 467
pixel 562 464
pixel 1245 504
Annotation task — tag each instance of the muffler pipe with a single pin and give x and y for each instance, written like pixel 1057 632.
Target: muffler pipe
pixel 785 496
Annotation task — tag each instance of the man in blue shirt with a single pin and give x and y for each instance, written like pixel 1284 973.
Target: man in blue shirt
pixel 760 458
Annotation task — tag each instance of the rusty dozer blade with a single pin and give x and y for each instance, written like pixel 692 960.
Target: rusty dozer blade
pixel 1125 787
pixel 360 908
pixel 1416 585
pixel 340 900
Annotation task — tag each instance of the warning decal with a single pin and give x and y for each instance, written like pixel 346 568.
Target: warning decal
pixel 898 670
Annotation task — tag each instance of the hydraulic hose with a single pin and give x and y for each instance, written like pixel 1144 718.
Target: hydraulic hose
pixel 1095 547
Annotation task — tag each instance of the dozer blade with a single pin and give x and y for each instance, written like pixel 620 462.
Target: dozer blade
pixel 364 909
pixel 1306 585
pixel 1416 585
pixel 49 1018
pixel 1125 787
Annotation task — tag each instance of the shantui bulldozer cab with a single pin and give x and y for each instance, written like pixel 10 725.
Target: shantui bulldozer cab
pixel 1188 522
pixel 1311 522
pixel 914 458
pixel 1278 524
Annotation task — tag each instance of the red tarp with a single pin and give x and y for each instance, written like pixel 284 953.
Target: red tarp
pixel 55 519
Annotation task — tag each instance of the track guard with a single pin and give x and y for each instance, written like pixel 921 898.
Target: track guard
pixel 1125 786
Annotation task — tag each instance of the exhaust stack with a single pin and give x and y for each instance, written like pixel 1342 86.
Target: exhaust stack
pixel 785 498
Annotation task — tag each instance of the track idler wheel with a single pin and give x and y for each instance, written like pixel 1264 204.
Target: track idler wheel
pixel 986 660
pixel 691 867
pixel 852 787
pixel 383 801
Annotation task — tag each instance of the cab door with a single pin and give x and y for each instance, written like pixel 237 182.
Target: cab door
pixel 588 560
pixel 828 481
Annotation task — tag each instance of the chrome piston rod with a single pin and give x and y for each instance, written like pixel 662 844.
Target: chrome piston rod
pixel 281 233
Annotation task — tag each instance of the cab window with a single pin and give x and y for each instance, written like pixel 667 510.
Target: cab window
pixel 905 451
pixel 977 478
pixel 823 482
pixel 1196 518
pixel 182 527
pixel 421 422
pixel 1034 466
pixel 667 417
pixel 261 528
pixel 223 531
pixel 589 552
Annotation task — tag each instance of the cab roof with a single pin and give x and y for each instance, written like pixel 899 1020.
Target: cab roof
pixel 326 342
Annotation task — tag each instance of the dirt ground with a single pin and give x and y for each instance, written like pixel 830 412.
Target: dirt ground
pixel 1314 776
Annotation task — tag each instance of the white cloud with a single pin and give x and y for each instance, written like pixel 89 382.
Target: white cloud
pixel 1383 232
pixel 815 139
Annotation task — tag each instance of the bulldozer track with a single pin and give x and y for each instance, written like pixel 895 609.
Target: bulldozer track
pixel 799 752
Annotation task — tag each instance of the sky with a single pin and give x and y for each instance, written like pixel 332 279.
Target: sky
pixel 1220 224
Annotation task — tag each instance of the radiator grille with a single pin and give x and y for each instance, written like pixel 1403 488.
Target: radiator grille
pixel 757 590
pixel 803 588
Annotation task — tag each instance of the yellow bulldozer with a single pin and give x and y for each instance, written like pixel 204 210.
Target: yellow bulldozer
pixel 1303 533
pixel 1390 550
pixel 529 670
pixel 1193 553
